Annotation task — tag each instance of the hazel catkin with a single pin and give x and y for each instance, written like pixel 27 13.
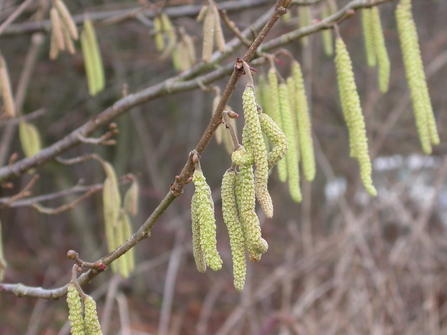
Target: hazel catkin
pixel 75 310
pixel 207 222
pixel 231 219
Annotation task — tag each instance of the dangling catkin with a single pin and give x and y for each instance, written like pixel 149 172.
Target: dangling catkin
pixel 380 49
pixel 258 148
pixel 327 33
pixel 208 35
pixel 207 222
pixel 199 257
pixel 75 310
pixel 292 156
pixel 67 19
pixel 245 195
pixel 276 116
pixel 304 21
pixel 304 124
pixel 353 113
pixel 423 111
pixel 278 138
pixel 29 138
pixel 218 33
pixel 91 322
pixel 368 36
pixel 231 219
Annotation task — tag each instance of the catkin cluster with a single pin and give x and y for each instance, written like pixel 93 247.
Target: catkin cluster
pixel 352 112
pixel 376 52
pixel 204 225
pixel 423 111
pixel 82 313
pixel 212 30
pixel 287 105
pixel 63 30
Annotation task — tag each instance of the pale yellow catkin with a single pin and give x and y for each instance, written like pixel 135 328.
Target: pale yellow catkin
pixel 327 33
pixel 278 138
pixel 208 35
pixel 131 198
pixel 159 36
pixel 423 111
pixel 75 310
pixel 235 232
pixel 5 88
pixel 292 156
pixel 304 124
pixel 276 116
pixel 169 31
pixel 368 37
pixel 92 58
pixel 207 221
pixel 29 138
pixel 380 49
pixel 259 150
pixel 245 195
pixel 67 19
pixel 127 233
pixel 199 257
pixel 348 93
pixel 56 26
pixel 91 322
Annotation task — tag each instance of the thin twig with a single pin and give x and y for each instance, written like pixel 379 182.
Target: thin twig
pixel 14 15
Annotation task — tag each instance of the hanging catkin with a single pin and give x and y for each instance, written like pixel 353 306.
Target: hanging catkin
pixel 304 124
pixel 75 310
pixel 278 138
pixel 423 111
pixel 276 116
pixel 327 33
pixel 258 148
pixel 353 114
pixel 207 222
pixel 368 37
pixel 231 219
pixel 199 257
pixel 245 195
pixel 380 50
pixel 292 156
pixel 91 322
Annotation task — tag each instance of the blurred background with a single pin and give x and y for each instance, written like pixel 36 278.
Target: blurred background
pixel 340 262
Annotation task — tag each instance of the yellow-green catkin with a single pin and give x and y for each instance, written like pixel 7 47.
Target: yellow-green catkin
pixel 122 232
pixel 263 99
pixel 278 138
pixel 92 58
pixel 2 256
pixel 380 49
pixel 29 138
pixel 127 232
pixel 304 124
pixel 368 36
pixel 112 203
pixel 231 219
pixel 292 156
pixel 245 195
pixel 199 257
pixel 259 150
pixel 91 322
pixel 218 33
pixel 75 310
pixel 159 37
pixel 131 199
pixel 353 113
pixel 276 116
pixel 423 111
pixel 304 21
pixel 327 33
pixel 207 221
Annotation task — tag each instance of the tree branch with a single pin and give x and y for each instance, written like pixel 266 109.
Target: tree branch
pixel 125 104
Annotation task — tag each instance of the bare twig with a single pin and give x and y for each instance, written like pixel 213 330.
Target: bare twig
pixel 15 15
